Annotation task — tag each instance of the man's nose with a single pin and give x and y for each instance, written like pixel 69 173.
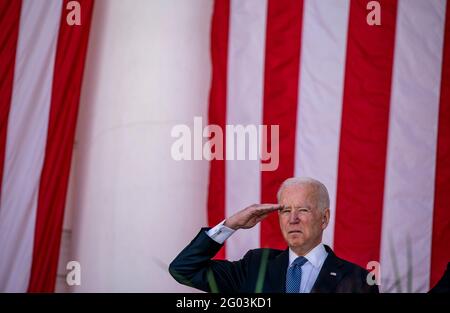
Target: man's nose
pixel 294 217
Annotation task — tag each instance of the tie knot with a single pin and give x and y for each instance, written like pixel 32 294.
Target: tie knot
pixel 299 261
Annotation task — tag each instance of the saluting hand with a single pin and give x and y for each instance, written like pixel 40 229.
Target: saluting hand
pixel 250 216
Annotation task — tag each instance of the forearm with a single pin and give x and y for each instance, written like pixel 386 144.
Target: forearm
pixel 191 266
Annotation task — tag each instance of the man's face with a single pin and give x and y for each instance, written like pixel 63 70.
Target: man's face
pixel 301 222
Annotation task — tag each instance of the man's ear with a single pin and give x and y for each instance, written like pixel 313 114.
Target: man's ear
pixel 325 218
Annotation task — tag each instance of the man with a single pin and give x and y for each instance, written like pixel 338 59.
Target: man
pixel 306 266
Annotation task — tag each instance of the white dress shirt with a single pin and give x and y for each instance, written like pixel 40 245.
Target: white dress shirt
pixel 310 270
pixel 220 232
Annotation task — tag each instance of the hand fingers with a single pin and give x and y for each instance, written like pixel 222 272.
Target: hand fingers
pixel 267 208
pixel 271 206
pixel 259 218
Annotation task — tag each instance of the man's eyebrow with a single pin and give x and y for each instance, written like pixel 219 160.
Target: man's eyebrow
pixel 295 207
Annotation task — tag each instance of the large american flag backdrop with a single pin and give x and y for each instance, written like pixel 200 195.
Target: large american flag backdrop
pixel 41 67
pixel 365 109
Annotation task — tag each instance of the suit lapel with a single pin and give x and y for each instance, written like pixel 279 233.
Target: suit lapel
pixel 329 276
pixel 276 273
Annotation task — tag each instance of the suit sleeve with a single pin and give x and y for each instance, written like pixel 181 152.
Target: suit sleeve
pixel 355 281
pixel 194 267
pixel 365 287
pixel 359 281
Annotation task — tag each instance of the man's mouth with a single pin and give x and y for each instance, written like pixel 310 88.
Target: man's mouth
pixel 294 232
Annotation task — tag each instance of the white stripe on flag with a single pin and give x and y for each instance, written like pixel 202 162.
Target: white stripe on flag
pixel 409 187
pixel 26 139
pixel 244 106
pixel 322 67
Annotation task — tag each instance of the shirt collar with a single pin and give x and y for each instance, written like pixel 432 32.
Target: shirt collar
pixel 316 256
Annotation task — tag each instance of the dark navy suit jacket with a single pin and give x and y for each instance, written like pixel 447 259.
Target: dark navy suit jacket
pixel 260 270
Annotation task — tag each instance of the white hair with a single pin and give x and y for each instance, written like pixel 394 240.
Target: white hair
pixel 323 199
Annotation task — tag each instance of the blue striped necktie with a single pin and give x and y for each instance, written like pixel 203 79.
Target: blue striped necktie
pixel 294 275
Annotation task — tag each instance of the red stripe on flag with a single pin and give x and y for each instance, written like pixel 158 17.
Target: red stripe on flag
pixel 364 133
pixel 440 253
pixel 67 78
pixel 217 110
pixel 283 37
pixel 9 26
